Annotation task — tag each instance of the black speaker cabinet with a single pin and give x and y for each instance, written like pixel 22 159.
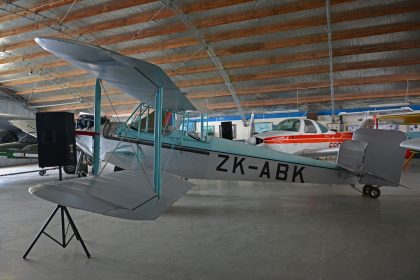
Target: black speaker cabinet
pixel 227 131
pixel 56 139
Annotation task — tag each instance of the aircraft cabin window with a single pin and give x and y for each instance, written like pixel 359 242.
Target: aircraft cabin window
pixel 309 127
pixel 323 128
pixel 288 125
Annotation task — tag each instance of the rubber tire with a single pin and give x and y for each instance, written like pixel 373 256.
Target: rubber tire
pixel 69 169
pixel 42 172
pixel 366 189
pixel 374 192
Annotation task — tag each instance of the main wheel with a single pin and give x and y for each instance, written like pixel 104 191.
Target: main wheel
pixel 70 169
pixel 366 190
pixel 374 192
pixel 42 172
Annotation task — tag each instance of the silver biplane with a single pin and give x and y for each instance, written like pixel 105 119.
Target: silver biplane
pixel 158 156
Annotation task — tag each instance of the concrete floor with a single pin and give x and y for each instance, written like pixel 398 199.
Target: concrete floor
pixel 224 230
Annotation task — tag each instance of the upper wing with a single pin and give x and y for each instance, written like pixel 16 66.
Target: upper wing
pixel 408 118
pixel 135 77
pixel 411 144
pixel 123 194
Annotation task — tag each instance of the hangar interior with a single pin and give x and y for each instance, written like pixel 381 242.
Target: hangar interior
pixel 335 61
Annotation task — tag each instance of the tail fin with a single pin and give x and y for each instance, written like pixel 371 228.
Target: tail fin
pixel 367 123
pixel 375 155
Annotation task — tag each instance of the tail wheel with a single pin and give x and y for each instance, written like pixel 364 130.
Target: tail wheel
pixel 374 192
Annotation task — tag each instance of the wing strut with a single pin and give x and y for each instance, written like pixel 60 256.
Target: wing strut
pixel 97 122
pixel 158 140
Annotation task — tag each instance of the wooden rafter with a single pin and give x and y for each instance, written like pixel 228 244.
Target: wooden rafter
pixel 94 10
pixel 311 22
pixel 162 30
pixel 37 8
pixel 344 51
pixel 283 73
pixel 318 99
pixel 36 100
pixel 297 41
pixel 303 56
pixel 268 89
pixel 293 72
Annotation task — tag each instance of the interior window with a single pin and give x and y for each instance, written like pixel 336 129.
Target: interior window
pixel 309 127
pixel 323 128
pixel 288 125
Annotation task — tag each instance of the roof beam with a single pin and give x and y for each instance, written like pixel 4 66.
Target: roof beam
pixel 297 41
pixel 293 72
pixel 40 78
pixel 35 100
pixel 319 99
pixel 303 56
pixel 93 10
pixel 234 17
pixel 267 75
pixel 72 85
pixel 38 8
pixel 283 43
pixel 271 89
pixel 142 17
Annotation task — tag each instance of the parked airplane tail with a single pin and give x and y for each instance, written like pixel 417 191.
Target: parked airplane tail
pixel 367 123
pixel 375 155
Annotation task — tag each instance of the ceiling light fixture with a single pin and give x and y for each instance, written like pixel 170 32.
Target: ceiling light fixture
pixel 54 105
pixel 389 105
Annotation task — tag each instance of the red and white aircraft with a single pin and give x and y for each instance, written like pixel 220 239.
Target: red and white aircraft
pixel 301 136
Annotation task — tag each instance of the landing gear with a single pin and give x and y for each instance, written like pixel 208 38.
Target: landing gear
pixel 371 191
pixel 42 172
pixel 70 169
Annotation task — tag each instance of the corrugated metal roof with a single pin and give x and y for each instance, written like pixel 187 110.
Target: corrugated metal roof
pixel 274 52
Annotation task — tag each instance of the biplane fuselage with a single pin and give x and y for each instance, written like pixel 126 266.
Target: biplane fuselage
pixel 217 158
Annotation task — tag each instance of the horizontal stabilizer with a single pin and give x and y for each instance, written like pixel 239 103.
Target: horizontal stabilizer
pixel 125 194
pixel 411 144
pixel 314 153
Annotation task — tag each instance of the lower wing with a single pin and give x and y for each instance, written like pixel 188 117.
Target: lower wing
pixel 125 194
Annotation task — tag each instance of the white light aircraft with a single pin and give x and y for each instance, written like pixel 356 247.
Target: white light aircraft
pixel 156 159
pixel 301 136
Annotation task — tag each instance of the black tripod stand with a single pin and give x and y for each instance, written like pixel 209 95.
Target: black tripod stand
pixel 63 243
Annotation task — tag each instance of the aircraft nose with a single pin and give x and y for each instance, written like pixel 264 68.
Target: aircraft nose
pixel 251 140
pixel 254 140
